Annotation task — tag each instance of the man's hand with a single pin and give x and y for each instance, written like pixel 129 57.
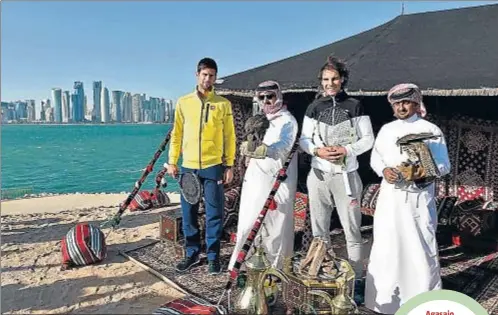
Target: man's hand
pixel 338 153
pixel 331 154
pixel 228 176
pixel 172 170
pixel 391 175
pixel 324 153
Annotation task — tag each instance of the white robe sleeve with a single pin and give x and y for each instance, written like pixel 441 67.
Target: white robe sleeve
pixel 280 150
pixel 376 161
pixel 439 152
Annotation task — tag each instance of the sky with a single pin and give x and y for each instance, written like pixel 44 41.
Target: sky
pixel 153 47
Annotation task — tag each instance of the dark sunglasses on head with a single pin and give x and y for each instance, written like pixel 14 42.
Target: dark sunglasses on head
pixel 268 96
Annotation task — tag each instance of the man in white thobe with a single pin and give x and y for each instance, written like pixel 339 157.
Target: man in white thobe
pixel 277 230
pixel 404 257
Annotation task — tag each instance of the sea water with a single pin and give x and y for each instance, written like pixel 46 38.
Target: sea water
pixel 80 158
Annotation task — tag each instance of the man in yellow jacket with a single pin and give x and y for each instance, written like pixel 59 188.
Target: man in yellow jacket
pixel 204 133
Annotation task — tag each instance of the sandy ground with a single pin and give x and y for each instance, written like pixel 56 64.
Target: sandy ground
pixel 30 259
pixel 59 203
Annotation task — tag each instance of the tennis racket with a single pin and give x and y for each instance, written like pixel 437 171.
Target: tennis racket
pixel 190 187
pixel 335 127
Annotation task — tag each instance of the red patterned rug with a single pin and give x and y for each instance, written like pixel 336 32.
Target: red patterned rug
pixel 473 152
pixel 474 274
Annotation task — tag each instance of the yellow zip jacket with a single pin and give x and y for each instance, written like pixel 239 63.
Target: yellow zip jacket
pixel 203 131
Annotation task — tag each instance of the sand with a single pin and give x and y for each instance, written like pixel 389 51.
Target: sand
pixel 59 203
pixel 30 258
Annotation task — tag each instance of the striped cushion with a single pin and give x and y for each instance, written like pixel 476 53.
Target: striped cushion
pixel 189 305
pixel 83 245
pixel 159 199
pixel 142 201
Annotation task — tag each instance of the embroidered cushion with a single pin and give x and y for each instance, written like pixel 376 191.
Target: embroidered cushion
pixel 369 199
pixel 473 217
pixel 445 208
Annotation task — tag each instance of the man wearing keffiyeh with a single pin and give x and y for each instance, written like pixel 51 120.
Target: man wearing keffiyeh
pixel 407 92
pixel 265 161
pixel 404 256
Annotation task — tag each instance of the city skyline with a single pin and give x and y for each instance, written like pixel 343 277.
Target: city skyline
pixel 105 106
pixel 153 47
pixel 86 103
pixel 90 102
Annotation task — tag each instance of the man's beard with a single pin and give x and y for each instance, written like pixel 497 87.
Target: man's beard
pixel 403 115
pixel 207 86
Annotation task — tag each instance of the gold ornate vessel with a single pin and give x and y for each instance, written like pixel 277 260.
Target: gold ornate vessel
pixel 318 292
pixel 342 303
pixel 252 299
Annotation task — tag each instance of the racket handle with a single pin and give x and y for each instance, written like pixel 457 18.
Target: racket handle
pixel 346 183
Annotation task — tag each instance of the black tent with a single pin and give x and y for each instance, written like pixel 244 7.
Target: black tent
pixel 452 55
pixel 452 52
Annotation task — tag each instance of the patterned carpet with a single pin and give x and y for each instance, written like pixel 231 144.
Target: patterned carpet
pixel 474 274
pixel 161 257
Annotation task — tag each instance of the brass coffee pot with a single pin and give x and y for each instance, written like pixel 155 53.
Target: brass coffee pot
pixel 252 299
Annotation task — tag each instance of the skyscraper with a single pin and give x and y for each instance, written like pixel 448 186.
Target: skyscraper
pixel 116 106
pixel 126 104
pixel 66 107
pixel 97 91
pixel 136 107
pixel 49 114
pixel 74 106
pixel 5 112
pixel 104 106
pixel 9 111
pixel 77 100
pixel 57 100
pixel 145 107
pixel 44 105
pixel 170 111
pixel 21 109
pixel 154 108
pixel 31 110
pixel 85 106
pixel 161 111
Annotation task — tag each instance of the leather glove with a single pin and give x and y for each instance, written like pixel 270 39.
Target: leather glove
pixel 258 153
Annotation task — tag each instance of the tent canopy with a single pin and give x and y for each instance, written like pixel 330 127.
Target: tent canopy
pixel 447 53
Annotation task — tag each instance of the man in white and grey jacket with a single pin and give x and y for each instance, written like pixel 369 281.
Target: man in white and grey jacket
pixel 326 185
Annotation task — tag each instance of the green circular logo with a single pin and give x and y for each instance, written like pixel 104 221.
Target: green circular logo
pixel 441 302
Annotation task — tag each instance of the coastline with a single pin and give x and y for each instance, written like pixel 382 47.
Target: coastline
pixel 83 124
pixel 43 195
pixel 53 203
